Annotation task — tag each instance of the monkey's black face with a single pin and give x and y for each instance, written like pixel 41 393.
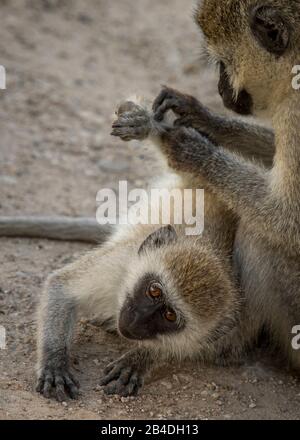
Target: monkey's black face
pixel 147 314
pixel 242 104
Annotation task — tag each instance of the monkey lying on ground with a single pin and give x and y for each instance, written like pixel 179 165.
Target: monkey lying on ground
pixel 173 295
pixel 256 44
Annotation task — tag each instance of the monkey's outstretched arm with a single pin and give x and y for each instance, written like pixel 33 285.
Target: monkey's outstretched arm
pixel 251 141
pixel 55 228
pixel 56 323
pixel 88 283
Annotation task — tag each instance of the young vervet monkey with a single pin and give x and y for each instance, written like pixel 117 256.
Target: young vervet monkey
pixel 173 295
pixel 256 44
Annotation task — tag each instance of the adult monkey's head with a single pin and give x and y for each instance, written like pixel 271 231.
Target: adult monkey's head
pixel 256 44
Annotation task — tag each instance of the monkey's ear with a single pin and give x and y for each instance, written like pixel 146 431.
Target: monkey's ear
pixel 159 238
pixel 270 29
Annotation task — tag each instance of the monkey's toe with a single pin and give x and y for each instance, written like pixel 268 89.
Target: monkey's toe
pixel 55 383
pixel 128 106
pixel 132 125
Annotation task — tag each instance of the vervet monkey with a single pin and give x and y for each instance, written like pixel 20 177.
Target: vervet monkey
pixel 256 44
pixel 173 295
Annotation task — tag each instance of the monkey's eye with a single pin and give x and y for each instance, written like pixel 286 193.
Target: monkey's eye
pixel 155 290
pixel 170 316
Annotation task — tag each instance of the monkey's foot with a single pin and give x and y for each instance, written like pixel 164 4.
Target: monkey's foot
pixel 133 122
pixel 57 382
pixel 122 377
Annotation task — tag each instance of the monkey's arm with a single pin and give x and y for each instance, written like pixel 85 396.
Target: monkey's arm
pixel 55 228
pixel 249 140
pixel 242 185
pixel 88 283
pixel 252 141
pixel 56 323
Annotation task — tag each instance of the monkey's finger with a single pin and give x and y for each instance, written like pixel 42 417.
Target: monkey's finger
pixel 160 99
pixel 112 389
pixel 113 375
pixel 168 104
pixel 109 368
pixel 133 385
pixel 122 131
pixel 125 375
pixel 124 136
pixel 137 380
pixel 61 395
pixel 73 392
pixel 130 133
pixel 40 385
pixel 182 122
pixel 71 387
pixel 73 379
pixel 124 124
pixel 107 379
pixel 48 385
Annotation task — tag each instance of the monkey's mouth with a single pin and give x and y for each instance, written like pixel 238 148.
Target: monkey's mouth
pixel 129 329
pixel 127 334
pixel 242 104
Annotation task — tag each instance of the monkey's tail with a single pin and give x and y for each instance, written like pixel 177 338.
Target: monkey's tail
pixel 55 228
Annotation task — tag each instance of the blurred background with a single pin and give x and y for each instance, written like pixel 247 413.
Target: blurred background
pixel 68 64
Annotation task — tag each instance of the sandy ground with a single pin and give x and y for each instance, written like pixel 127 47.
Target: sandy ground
pixel 68 63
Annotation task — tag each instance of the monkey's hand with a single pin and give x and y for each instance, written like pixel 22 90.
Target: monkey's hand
pixel 186 149
pixel 190 112
pixel 57 381
pixel 126 375
pixel 134 122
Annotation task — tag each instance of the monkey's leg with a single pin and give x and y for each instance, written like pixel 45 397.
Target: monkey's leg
pixel 126 375
pixel 57 318
pixel 134 122
pixel 252 141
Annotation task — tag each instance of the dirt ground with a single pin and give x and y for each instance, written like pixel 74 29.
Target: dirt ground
pixel 68 63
